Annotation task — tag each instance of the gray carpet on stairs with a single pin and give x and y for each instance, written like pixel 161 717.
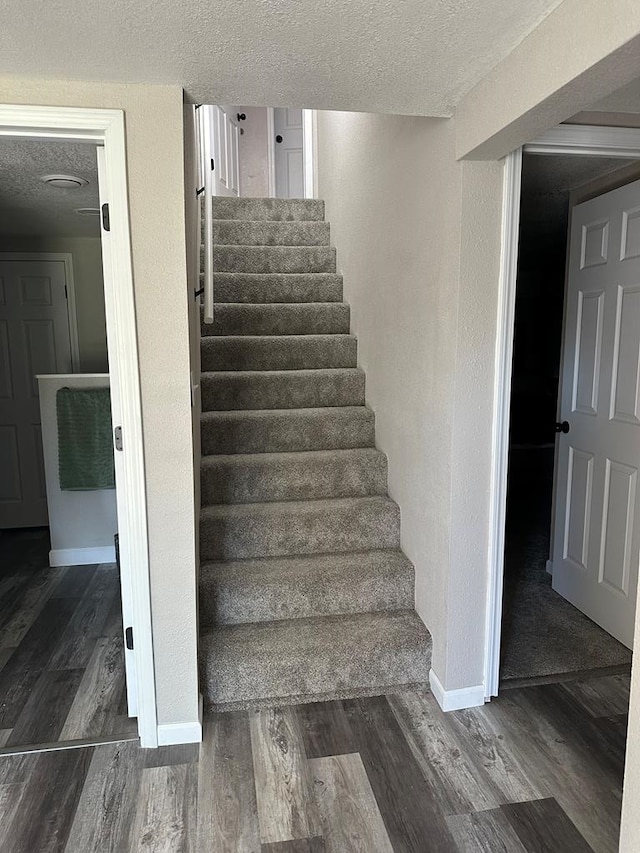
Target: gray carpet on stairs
pixel 304 593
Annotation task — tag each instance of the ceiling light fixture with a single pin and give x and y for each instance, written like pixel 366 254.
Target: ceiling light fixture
pixel 87 211
pixel 64 182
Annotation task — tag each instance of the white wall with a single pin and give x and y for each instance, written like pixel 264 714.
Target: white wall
pixel 254 168
pixel 154 131
pixel 392 191
pixel 89 290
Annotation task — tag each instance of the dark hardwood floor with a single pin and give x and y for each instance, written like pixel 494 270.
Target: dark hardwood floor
pixel 61 648
pixel 539 770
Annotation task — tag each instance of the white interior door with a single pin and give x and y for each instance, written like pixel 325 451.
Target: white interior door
pixel 35 337
pixel 597 526
pixel 289 157
pixel 126 569
pixel 226 151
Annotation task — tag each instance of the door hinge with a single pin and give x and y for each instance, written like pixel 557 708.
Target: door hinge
pixel 66 293
pixel 117 438
pixel 128 638
pixel 213 165
pixel 106 222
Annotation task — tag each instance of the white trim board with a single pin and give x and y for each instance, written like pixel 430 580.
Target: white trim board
pixel 187 732
pixel 456 700
pixel 82 556
pixel 579 140
pixel 106 127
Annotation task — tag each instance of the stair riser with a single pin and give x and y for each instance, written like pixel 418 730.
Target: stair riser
pixel 231 595
pixel 330 318
pixel 278 353
pixel 272 209
pixel 239 233
pixel 274 259
pixel 290 670
pixel 280 432
pixel 276 287
pixel 302 531
pixel 285 390
pixel 238 480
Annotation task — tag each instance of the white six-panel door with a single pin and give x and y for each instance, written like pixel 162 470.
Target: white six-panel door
pixel 226 151
pixel 289 156
pixel 597 509
pixel 34 338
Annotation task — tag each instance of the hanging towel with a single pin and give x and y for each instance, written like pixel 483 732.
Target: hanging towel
pixel 85 439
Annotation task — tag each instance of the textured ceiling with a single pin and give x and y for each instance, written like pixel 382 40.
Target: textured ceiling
pixel 625 100
pixel 29 206
pixel 393 56
pixel 546 183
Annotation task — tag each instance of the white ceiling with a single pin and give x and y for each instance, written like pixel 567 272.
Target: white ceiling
pixel 395 56
pixel 29 206
pixel 546 183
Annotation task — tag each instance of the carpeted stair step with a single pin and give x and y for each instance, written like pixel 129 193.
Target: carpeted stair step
pixel 274 209
pixel 276 287
pixel 281 389
pixel 282 430
pixel 283 259
pixel 311 659
pixel 278 352
pixel 277 588
pixel 238 232
pixel 243 531
pixel 300 476
pixel 295 318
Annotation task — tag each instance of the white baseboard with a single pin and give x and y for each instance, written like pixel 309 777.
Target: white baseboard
pixel 456 700
pixel 174 733
pixel 549 567
pixel 82 556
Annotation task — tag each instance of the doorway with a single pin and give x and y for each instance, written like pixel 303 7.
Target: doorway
pixel 65 609
pixel 533 632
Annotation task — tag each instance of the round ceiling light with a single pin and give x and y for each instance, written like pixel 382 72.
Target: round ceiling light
pixel 64 182
pixel 88 211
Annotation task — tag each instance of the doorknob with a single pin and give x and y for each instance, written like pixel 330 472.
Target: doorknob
pixel 278 138
pixel 562 427
pixel 242 116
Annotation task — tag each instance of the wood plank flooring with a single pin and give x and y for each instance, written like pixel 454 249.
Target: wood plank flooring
pixel 61 648
pixel 539 770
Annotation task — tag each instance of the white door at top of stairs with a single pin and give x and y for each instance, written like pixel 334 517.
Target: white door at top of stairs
pixel 289 152
pixel 596 544
pixel 226 151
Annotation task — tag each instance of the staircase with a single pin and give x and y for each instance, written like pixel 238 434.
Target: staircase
pixel 304 592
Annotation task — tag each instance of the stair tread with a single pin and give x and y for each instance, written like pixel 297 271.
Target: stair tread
pixel 257 661
pixel 280 457
pixel 236 319
pixel 268 209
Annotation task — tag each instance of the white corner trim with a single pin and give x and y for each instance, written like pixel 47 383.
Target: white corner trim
pixel 82 556
pixel 174 733
pixel 502 415
pixel 456 700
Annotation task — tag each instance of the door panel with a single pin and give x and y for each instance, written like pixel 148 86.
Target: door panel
pixel 289 159
pixel 596 549
pixel 226 138
pixel 34 338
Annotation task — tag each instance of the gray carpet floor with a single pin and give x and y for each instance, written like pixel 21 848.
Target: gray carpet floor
pixel 542 634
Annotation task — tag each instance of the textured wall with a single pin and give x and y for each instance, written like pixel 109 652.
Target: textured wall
pixel 87 278
pixel 154 128
pixel 581 52
pixel 254 164
pixel 392 190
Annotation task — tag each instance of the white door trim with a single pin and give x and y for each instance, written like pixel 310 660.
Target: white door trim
pixel 271 151
pixel 107 127
pixel 310 153
pixel 580 140
pixel 67 260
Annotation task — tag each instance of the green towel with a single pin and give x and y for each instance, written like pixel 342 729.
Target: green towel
pixel 85 439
